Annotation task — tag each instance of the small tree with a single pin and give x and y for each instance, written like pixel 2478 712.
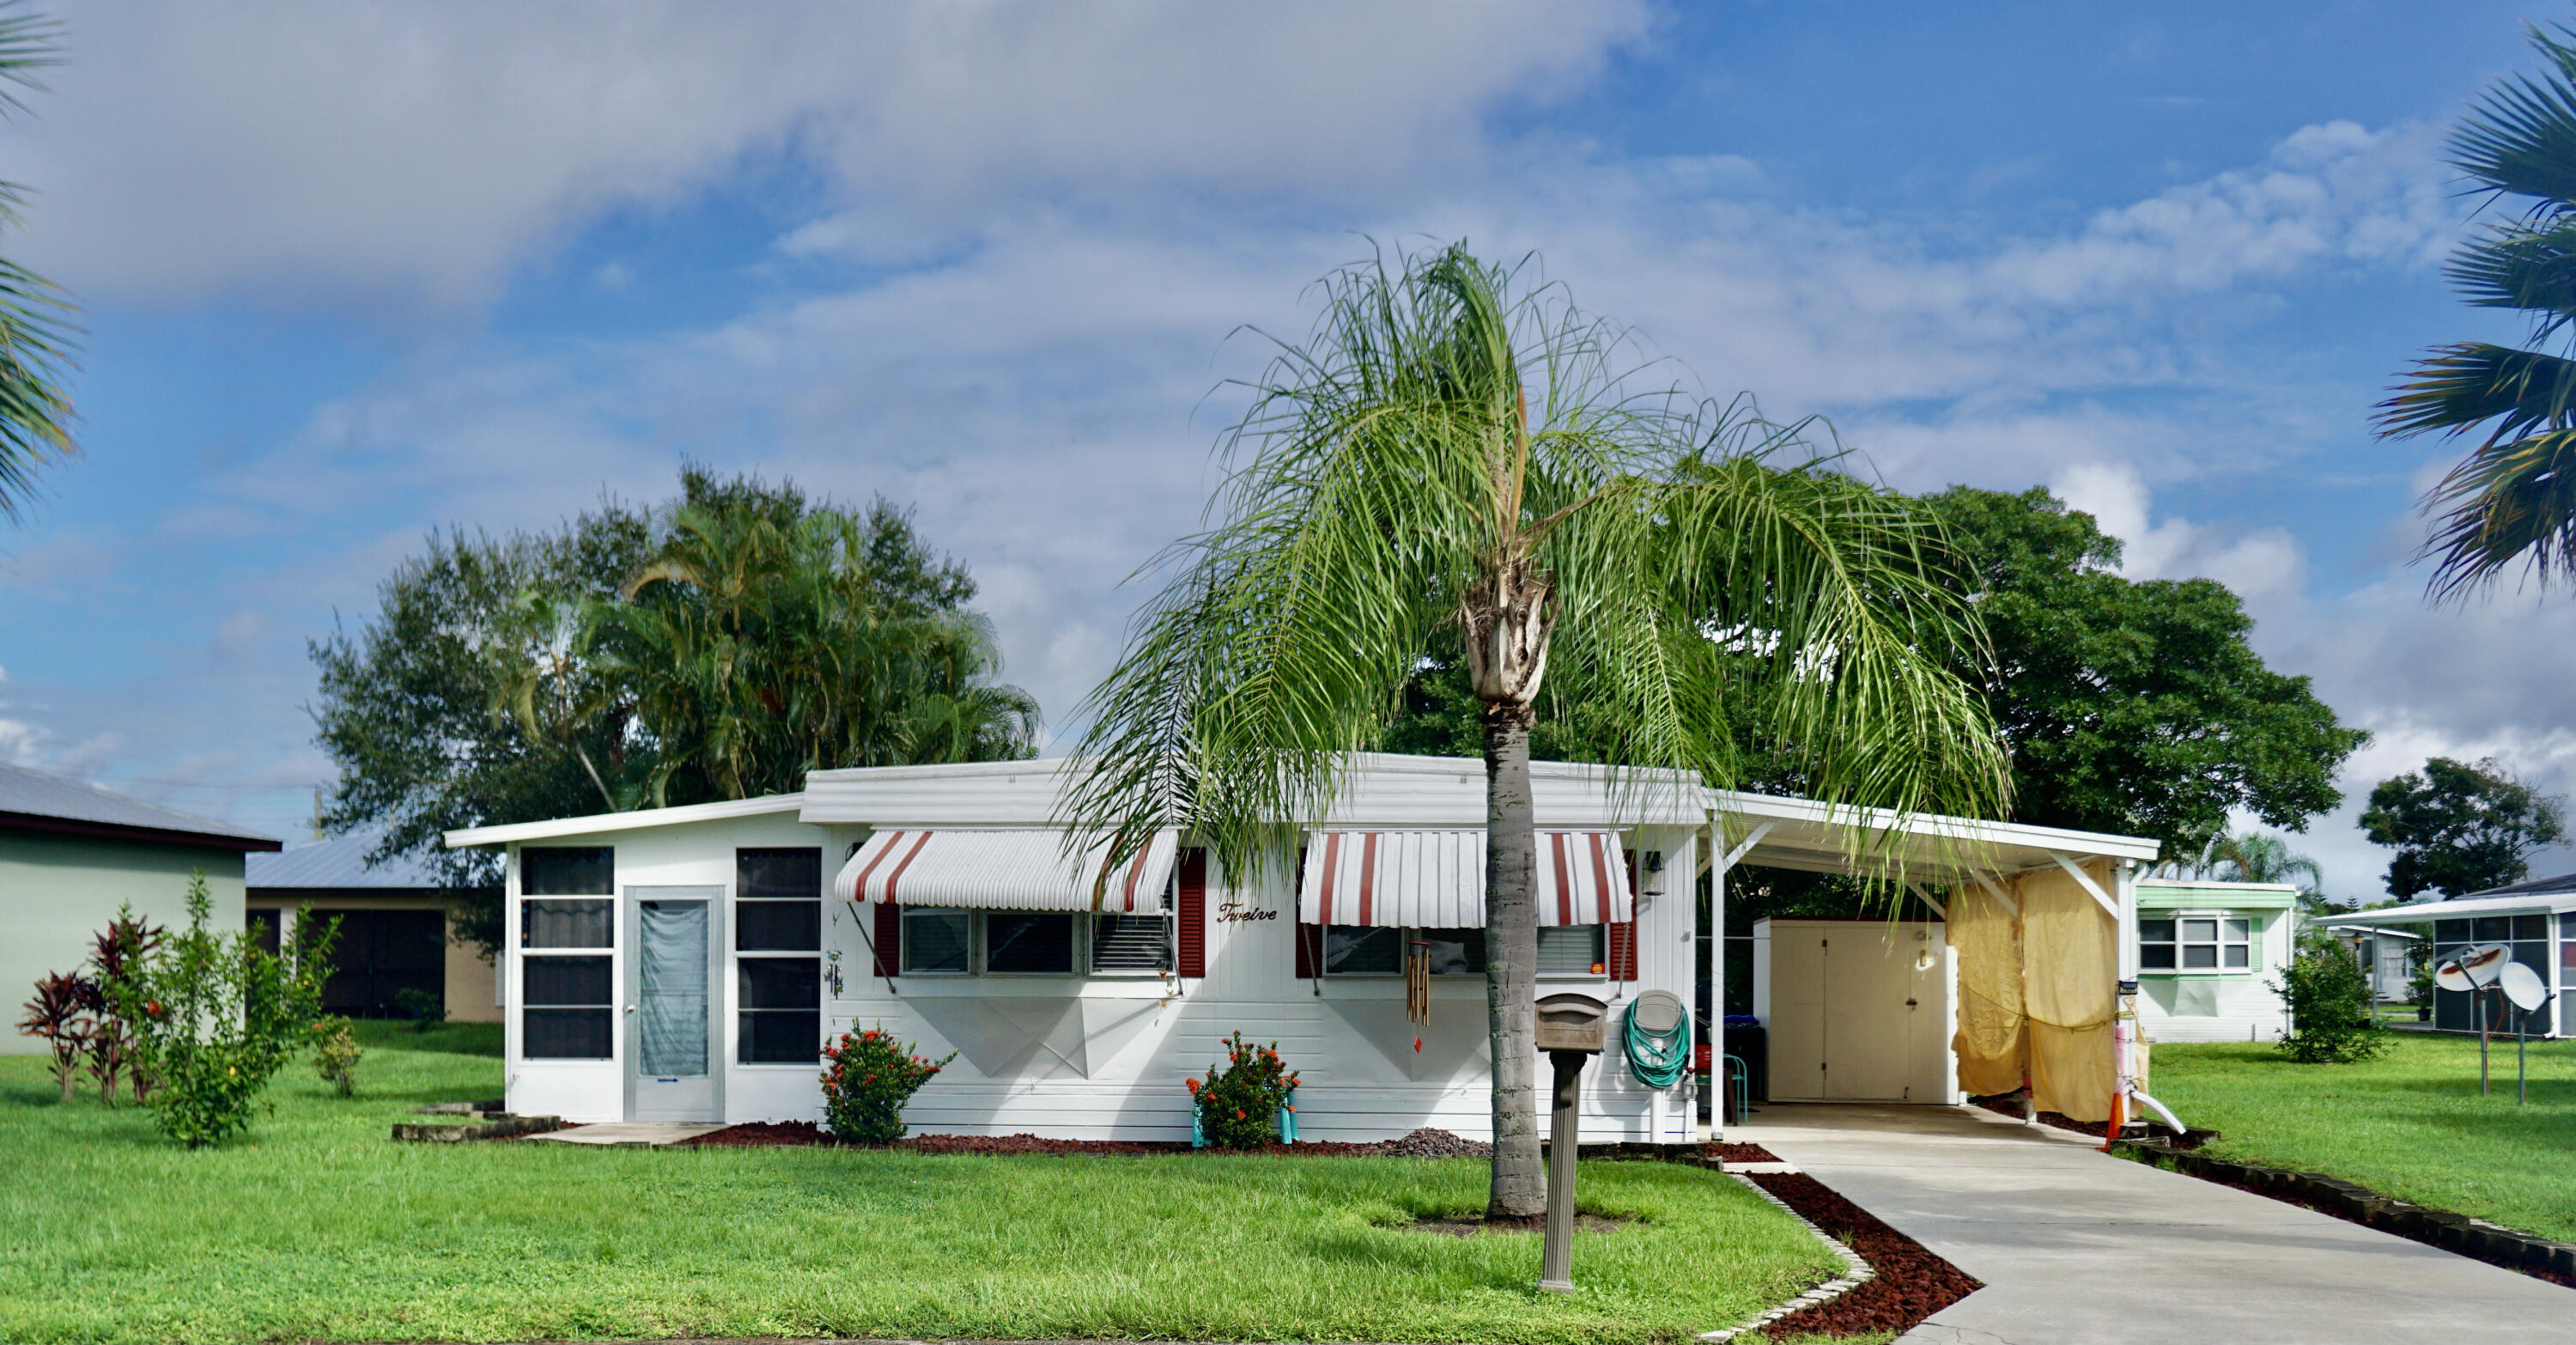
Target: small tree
pixel 215 1016
pixel 2331 1018
pixel 335 1055
pixel 62 1016
pixel 114 953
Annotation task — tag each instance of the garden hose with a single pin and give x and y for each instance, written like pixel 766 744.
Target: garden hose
pixel 1656 1058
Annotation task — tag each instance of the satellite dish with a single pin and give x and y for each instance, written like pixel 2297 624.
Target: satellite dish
pixel 2523 986
pixel 2480 964
pixel 2450 977
pixel 1658 1011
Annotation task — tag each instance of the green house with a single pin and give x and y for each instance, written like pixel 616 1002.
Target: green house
pixel 72 853
pixel 2208 953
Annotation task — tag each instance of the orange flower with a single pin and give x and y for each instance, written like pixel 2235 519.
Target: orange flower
pixel 1238 1113
pixel 1194 1085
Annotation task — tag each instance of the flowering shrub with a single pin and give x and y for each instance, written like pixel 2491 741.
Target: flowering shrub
pixel 214 1017
pixel 1239 1105
pixel 867 1079
pixel 335 1054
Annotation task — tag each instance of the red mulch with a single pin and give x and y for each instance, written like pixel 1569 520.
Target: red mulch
pixel 1911 1283
pixel 761 1134
pixel 1741 1153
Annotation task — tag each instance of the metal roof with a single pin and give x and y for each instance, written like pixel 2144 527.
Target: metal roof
pixel 339 863
pixel 33 800
pixel 1776 831
pixel 2419 912
pixel 606 822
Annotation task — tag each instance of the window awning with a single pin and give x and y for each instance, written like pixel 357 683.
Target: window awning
pixel 1436 879
pixel 1007 871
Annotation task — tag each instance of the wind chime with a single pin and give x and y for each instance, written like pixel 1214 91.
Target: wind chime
pixel 1417 987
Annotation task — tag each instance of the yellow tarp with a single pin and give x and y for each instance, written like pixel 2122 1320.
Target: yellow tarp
pixel 2037 991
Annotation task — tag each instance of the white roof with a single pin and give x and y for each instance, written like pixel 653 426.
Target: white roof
pixel 2418 912
pixel 631 821
pixel 1926 847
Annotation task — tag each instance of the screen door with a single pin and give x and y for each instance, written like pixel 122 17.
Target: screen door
pixel 671 1035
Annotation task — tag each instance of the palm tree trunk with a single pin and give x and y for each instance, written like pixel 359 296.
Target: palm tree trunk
pixel 1519 1191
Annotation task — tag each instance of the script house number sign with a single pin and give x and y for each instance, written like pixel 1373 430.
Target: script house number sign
pixel 1233 909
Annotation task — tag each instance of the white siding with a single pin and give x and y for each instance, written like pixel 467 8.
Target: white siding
pixel 2221 1006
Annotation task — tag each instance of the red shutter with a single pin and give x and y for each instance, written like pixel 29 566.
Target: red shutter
pixel 889 938
pixel 1191 910
pixel 1623 951
pixel 1309 938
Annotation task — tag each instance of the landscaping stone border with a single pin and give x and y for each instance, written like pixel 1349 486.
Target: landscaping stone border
pixel 2452 1232
pixel 1856 1272
pixel 493 1126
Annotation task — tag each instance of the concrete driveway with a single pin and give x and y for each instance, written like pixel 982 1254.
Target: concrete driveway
pixel 2077 1247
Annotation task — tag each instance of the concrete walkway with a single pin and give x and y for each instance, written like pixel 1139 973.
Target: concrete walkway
pixel 645 1134
pixel 2078 1247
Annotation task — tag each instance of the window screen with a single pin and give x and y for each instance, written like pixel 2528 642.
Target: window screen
pixel 781 1016
pixel 1363 950
pixel 567 871
pixel 778 926
pixel 1028 942
pixel 792 874
pixel 566 924
pixel 937 940
pixel 1570 950
pixel 1131 943
pixel 569 1008
pixel 1454 952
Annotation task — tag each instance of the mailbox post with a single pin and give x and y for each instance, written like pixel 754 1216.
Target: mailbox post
pixel 1570 1027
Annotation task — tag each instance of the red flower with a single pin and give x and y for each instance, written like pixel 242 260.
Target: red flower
pixel 1194 1085
pixel 1238 1113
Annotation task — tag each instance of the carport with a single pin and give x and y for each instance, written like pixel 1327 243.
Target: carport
pixel 1999 970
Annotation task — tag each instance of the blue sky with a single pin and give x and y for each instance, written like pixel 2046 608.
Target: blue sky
pixel 353 271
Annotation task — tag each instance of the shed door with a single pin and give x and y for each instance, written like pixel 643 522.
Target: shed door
pixel 671 1004
pixel 1853 1019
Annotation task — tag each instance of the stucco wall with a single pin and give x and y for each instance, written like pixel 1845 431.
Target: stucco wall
pixel 56 892
pixel 471 993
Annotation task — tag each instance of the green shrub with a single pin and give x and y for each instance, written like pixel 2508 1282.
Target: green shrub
pixel 1239 1105
pixel 335 1055
pixel 215 1016
pixel 425 1010
pixel 2331 1017
pixel 113 1046
pixel 867 1079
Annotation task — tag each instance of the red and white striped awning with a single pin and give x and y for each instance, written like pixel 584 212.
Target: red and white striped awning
pixel 1007 871
pixel 1436 879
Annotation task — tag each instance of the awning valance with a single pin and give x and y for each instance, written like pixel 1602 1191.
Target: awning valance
pixel 1007 871
pixel 1436 879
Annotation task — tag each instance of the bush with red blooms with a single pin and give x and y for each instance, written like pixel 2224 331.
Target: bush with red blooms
pixel 1239 1105
pixel 867 1079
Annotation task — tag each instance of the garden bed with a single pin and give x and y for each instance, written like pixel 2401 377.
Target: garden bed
pixel 1910 1283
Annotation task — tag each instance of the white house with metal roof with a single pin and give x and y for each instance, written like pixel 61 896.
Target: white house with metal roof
pixel 72 854
pixel 687 963
pixel 2536 920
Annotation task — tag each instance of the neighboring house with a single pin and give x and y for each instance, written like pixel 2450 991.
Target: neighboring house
pixel 2536 921
pixel 397 928
pixel 688 963
pixel 71 854
pixel 2208 953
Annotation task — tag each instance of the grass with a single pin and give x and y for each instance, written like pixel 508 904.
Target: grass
pixel 2409 1124
pixel 317 1227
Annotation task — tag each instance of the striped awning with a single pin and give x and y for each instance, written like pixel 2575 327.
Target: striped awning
pixel 1436 879
pixel 1007 871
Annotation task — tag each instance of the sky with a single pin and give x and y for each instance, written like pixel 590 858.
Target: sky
pixel 353 271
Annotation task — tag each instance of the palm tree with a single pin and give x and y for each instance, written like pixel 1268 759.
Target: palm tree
pixel 1453 454
pixel 35 330
pixel 2514 496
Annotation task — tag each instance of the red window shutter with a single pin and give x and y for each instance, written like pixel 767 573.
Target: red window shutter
pixel 889 939
pixel 1623 951
pixel 1191 910
pixel 1309 938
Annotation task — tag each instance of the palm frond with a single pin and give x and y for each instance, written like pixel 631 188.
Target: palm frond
pixel 2519 137
pixel 2521 267
pixel 2510 501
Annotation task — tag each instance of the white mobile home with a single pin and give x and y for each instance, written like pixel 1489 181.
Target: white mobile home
pixel 2535 920
pixel 686 963
pixel 2209 953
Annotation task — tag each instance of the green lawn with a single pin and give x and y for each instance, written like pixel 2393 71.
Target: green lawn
pixel 2410 1124
pixel 316 1226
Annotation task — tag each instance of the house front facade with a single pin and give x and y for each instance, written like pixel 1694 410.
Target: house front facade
pixel 2208 956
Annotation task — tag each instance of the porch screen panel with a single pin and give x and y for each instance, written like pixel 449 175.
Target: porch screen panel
pixel 672 1013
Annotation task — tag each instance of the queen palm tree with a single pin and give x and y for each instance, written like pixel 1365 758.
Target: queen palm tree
pixel 2513 498
pixel 35 328
pixel 1456 454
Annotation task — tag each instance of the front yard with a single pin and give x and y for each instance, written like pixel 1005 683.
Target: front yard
pixel 318 1227
pixel 2410 1124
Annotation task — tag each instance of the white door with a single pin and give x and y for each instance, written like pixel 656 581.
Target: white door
pixel 1880 1010
pixel 1796 1013
pixel 673 977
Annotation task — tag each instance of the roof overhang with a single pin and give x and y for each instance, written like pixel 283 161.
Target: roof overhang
pixel 598 823
pixel 117 831
pixel 1778 832
pixel 2426 912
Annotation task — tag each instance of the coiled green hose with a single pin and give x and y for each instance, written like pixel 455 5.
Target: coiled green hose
pixel 1657 1059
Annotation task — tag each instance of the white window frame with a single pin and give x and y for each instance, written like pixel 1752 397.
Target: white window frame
pixel 823 1008
pixel 2252 943
pixel 524 956
pixel 1407 934
pixel 1086 928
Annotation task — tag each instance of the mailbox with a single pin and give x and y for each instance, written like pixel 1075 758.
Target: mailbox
pixel 1571 1023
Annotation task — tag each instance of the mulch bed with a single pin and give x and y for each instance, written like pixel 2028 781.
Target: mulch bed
pixel 1911 1283
pixel 1741 1153
pixel 1473 1225
pixel 1425 1143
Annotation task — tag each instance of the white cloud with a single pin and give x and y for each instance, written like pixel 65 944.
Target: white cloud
pixel 302 150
